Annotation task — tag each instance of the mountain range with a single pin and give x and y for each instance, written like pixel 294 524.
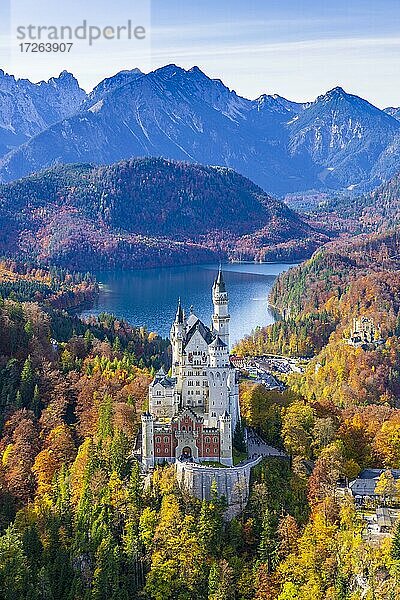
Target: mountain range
pixel 338 141
pixel 27 109
pixel 146 211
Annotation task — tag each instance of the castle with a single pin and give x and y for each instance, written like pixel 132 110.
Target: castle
pixel 364 332
pixel 193 413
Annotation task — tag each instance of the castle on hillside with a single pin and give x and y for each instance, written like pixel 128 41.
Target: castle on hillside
pixel 193 413
pixel 364 332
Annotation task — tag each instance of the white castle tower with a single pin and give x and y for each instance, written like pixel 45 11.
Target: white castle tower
pixel 147 440
pixel 221 316
pixel 193 412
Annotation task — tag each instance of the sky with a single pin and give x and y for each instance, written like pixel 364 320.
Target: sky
pixel 296 48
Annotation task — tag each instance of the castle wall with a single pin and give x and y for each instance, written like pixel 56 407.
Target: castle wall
pixel 232 482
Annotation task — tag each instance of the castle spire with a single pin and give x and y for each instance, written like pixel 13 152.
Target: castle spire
pixel 219 283
pixel 221 317
pixel 179 313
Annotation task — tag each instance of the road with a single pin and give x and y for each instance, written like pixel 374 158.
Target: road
pixel 257 447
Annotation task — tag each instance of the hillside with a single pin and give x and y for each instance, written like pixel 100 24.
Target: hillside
pixel 338 141
pixel 57 288
pixel 346 136
pixel 346 278
pixel 146 212
pixel 376 211
pixel 357 277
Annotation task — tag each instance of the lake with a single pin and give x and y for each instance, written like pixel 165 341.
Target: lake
pixel 148 297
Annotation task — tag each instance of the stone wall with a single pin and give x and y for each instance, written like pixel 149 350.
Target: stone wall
pixel 232 482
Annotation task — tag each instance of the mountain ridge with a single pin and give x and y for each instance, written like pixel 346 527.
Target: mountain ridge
pixel 27 108
pixel 336 142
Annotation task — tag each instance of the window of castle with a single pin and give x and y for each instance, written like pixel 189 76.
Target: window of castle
pixel 166 440
pixel 158 440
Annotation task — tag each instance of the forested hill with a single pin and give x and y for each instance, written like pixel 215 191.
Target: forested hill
pixel 342 280
pixel 376 211
pixel 146 211
pixel 384 203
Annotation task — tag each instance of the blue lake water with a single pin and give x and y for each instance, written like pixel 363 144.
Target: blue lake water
pixel 148 297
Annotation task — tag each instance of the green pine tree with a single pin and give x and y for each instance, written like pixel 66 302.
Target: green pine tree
pixel 36 404
pixel 268 542
pixel 27 386
pixel 238 438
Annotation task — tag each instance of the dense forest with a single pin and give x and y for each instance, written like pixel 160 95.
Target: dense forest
pixel 53 286
pixel 79 522
pixel 339 416
pixel 146 212
pixel 351 212
pixel 355 390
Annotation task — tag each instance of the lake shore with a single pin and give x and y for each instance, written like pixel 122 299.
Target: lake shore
pixel 148 297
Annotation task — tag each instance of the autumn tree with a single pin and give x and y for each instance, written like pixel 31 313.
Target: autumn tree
pixel 297 425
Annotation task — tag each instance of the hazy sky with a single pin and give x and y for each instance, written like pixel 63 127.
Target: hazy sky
pixel 298 49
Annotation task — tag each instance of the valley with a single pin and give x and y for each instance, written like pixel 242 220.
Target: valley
pixel 123 452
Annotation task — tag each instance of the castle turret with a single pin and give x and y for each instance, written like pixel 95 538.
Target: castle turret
pixel 219 356
pixel 225 427
pixel 147 440
pixel 221 316
pixel 177 335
